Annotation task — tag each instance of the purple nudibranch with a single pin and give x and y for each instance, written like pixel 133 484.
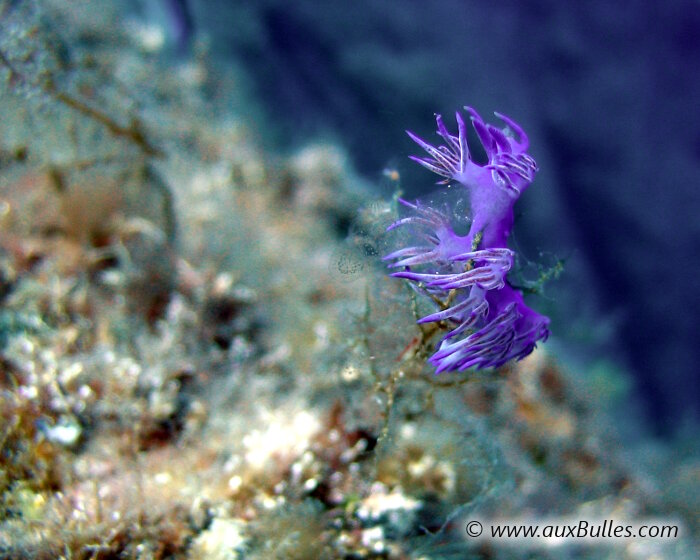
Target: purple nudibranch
pixel 489 322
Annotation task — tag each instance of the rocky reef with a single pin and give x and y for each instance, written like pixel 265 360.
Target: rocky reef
pixel 201 354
